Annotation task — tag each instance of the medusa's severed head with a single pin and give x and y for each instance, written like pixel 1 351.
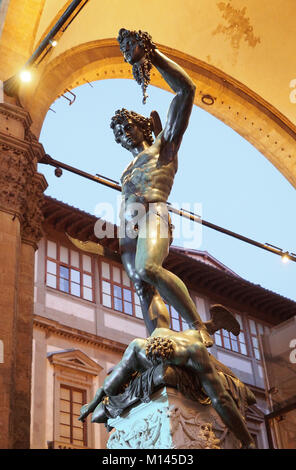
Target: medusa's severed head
pixel 137 48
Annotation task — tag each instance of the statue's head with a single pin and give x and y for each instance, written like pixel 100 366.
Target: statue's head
pixel 137 48
pixel 159 349
pixel 131 129
pixel 134 45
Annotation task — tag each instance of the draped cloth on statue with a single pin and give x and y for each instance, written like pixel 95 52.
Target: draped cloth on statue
pixel 143 385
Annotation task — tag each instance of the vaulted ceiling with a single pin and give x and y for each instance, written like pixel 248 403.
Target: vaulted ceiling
pixel 240 52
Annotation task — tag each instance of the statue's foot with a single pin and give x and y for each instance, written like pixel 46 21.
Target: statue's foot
pixel 84 412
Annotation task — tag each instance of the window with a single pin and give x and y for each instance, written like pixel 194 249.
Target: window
pixel 229 341
pixel 257 329
pixel 71 430
pixel 117 292
pixel 73 373
pixel 176 321
pixel 69 271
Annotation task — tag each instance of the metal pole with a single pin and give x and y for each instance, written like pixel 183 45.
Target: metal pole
pixel 61 21
pixel 11 84
pixel 181 212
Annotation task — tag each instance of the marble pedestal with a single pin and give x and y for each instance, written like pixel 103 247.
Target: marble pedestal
pixel 170 421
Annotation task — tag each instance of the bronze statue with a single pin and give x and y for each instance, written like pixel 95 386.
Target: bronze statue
pixel 149 358
pixel 146 184
pixel 166 357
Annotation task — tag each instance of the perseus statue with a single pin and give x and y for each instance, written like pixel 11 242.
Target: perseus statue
pixel 146 184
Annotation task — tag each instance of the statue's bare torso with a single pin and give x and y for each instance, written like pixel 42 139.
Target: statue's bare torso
pixel 149 177
pixel 186 343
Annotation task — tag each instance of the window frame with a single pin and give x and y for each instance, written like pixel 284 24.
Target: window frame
pixel 84 424
pixel 252 335
pixel 70 267
pixel 112 283
pixel 179 319
pixel 112 264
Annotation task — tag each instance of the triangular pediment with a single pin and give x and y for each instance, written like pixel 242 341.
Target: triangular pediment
pixel 74 359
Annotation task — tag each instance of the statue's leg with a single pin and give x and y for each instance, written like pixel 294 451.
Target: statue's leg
pixel 99 415
pixel 89 407
pixel 221 399
pixel 154 311
pixel 152 249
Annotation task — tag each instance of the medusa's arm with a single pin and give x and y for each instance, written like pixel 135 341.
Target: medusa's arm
pixel 123 371
pixel 120 375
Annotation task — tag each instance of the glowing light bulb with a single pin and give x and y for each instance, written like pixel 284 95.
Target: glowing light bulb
pixel 25 76
pixel 285 258
pixel 53 42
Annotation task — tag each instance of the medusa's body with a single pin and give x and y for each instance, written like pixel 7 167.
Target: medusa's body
pixel 183 349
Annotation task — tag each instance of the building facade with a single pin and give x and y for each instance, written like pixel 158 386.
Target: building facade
pixel 87 312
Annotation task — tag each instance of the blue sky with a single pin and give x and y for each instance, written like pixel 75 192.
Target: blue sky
pixel 234 184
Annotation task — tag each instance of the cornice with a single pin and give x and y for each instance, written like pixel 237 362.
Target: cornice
pixel 18 146
pixel 16 112
pixel 54 327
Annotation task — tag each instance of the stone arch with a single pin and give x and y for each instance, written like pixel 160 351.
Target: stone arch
pixel 218 93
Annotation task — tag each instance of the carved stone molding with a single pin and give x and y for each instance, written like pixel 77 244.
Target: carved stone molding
pixel 15 131
pixel 16 113
pixel 16 170
pixel 74 360
pixel 21 187
pixel 33 217
pixel 52 327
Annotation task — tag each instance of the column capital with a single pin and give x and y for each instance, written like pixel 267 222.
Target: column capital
pixel 21 187
pixel 31 228
pixel 16 169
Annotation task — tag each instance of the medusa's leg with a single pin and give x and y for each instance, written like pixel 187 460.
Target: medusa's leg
pixel 221 399
pixel 99 415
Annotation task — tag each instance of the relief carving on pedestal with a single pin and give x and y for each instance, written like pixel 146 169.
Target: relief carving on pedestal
pixel 146 433
pixel 190 431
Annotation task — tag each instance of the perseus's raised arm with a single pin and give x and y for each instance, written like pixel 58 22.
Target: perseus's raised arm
pixel 181 106
pixel 140 51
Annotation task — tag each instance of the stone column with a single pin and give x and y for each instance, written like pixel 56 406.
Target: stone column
pixel 21 198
